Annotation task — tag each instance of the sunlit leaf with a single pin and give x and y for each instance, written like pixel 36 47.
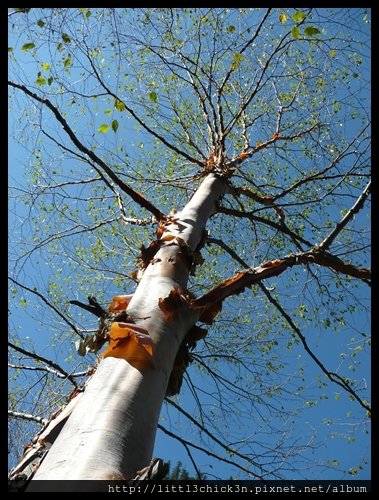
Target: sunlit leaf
pixel 283 17
pixel 28 46
pixel 153 96
pixel 238 57
pixel 66 38
pixel 231 28
pixel 67 63
pixel 45 66
pixel 295 32
pixel 119 105
pixel 103 129
pixel 40 80
pixel 299 16
pixel 50 80
pixel 311 31
pixel 114 125
pixel 41 23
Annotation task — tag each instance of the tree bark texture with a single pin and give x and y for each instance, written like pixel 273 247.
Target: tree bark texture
pixel 111 431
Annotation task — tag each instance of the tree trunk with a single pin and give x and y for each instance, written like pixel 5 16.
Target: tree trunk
pixel 111 432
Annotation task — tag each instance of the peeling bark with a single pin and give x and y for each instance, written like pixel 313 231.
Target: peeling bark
pixel 111 431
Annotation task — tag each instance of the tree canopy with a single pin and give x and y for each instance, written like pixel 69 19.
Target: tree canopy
pixel 116 115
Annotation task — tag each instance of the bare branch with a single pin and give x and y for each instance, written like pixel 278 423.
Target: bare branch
pixel 333 377
pixel 209 434
pixel 267 222
pixel 325 244
pixel 27 416
pixel 43 360
pixel 47 369
pixel 207 452
pixel 49 304
pixel 141 122
pixel 137 197
pixel 228 249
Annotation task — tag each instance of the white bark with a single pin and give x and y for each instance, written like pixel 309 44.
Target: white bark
pixel 111 432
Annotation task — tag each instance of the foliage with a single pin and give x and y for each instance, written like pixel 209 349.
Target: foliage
pixel 155 94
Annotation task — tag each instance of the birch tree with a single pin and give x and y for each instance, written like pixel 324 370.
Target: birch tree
pixel 202 176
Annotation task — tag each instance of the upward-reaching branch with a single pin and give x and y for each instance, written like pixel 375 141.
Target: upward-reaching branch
pixel 37 357
pixel 137 197
pixel 325 244
pixel 141 122
pixel 243 279
pixel 48 304
pixel 333 377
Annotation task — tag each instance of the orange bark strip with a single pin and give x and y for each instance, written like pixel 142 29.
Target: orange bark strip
pixel 338 265
pixel 128 342
pixel 119 303
pixel 171 303
pixel 240 281
pixel 210 313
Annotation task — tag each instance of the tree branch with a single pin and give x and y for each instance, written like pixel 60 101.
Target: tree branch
pixel 209 434
pixel 325 244
pixel 49 304
pixel 141 122
pixel 207 452
pixel 243 279
pixel 27 416
pixel 255 218
pixel 333 377
pixel 137 197
pixel 44 360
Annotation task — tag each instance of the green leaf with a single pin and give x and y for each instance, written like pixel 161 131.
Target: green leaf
pixel 103 129
pixel 60 47
pixel 238 57
pixel 119 105
pixel 66 38
pixel 50 80
pixel 332 53
pixel 67 63
pixel 114 125
pixel 298 16
pixel 41 23
pixel 311 31
pixel 107 111
pixel 153 96
pixel 295 32
pixel 28 46
pixel 231 28
pixel 10 49
pixel 309 404
pixel 283 17
pixel 45 66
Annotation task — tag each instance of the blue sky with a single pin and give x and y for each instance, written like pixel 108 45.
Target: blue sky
pixel 331 442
